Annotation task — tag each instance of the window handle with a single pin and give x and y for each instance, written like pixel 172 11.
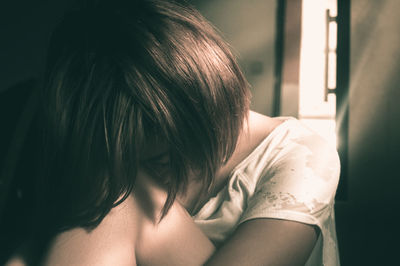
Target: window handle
pixel 328 90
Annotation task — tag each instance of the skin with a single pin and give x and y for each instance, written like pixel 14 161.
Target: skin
pixel 132 233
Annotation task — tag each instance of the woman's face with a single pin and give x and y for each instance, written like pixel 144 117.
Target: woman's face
pixel 155 161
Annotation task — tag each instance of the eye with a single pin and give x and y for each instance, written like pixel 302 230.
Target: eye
pixel 161 160
pixel 158 167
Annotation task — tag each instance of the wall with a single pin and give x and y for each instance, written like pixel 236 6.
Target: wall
pixel 249 27
pixel 367 222
pixel 25 27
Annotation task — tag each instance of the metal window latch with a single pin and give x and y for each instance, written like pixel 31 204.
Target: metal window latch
pixel 328 90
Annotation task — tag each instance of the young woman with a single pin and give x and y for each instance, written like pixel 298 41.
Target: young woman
pixel 154 157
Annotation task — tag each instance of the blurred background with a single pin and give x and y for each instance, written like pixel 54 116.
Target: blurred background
pixel 334 64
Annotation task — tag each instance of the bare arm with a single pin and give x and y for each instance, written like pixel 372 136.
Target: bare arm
pixel 176 240
pixel 267 242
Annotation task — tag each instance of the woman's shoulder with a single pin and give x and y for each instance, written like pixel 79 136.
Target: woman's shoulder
pixel 112 242
pixel 294 169
pixel 257 128
pixel 293 163
pixel 289 138
pixel 134 233
pixel 115 240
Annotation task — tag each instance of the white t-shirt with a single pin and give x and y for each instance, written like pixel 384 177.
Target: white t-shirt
pixel 292 175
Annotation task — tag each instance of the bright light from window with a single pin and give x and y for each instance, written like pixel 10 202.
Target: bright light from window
pixel 317 102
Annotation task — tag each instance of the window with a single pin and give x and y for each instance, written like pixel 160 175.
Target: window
pixel 317 82
pixel 312 69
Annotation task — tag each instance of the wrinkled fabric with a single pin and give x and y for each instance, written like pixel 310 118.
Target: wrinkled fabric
pixel 292 175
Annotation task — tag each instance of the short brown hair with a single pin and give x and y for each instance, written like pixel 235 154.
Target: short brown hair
pixel 123 72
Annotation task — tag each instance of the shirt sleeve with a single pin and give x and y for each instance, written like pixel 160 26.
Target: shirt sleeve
pixel 299 181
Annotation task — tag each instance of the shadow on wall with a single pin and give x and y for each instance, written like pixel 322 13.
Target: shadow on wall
pixel 367 223
pixel 374 95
